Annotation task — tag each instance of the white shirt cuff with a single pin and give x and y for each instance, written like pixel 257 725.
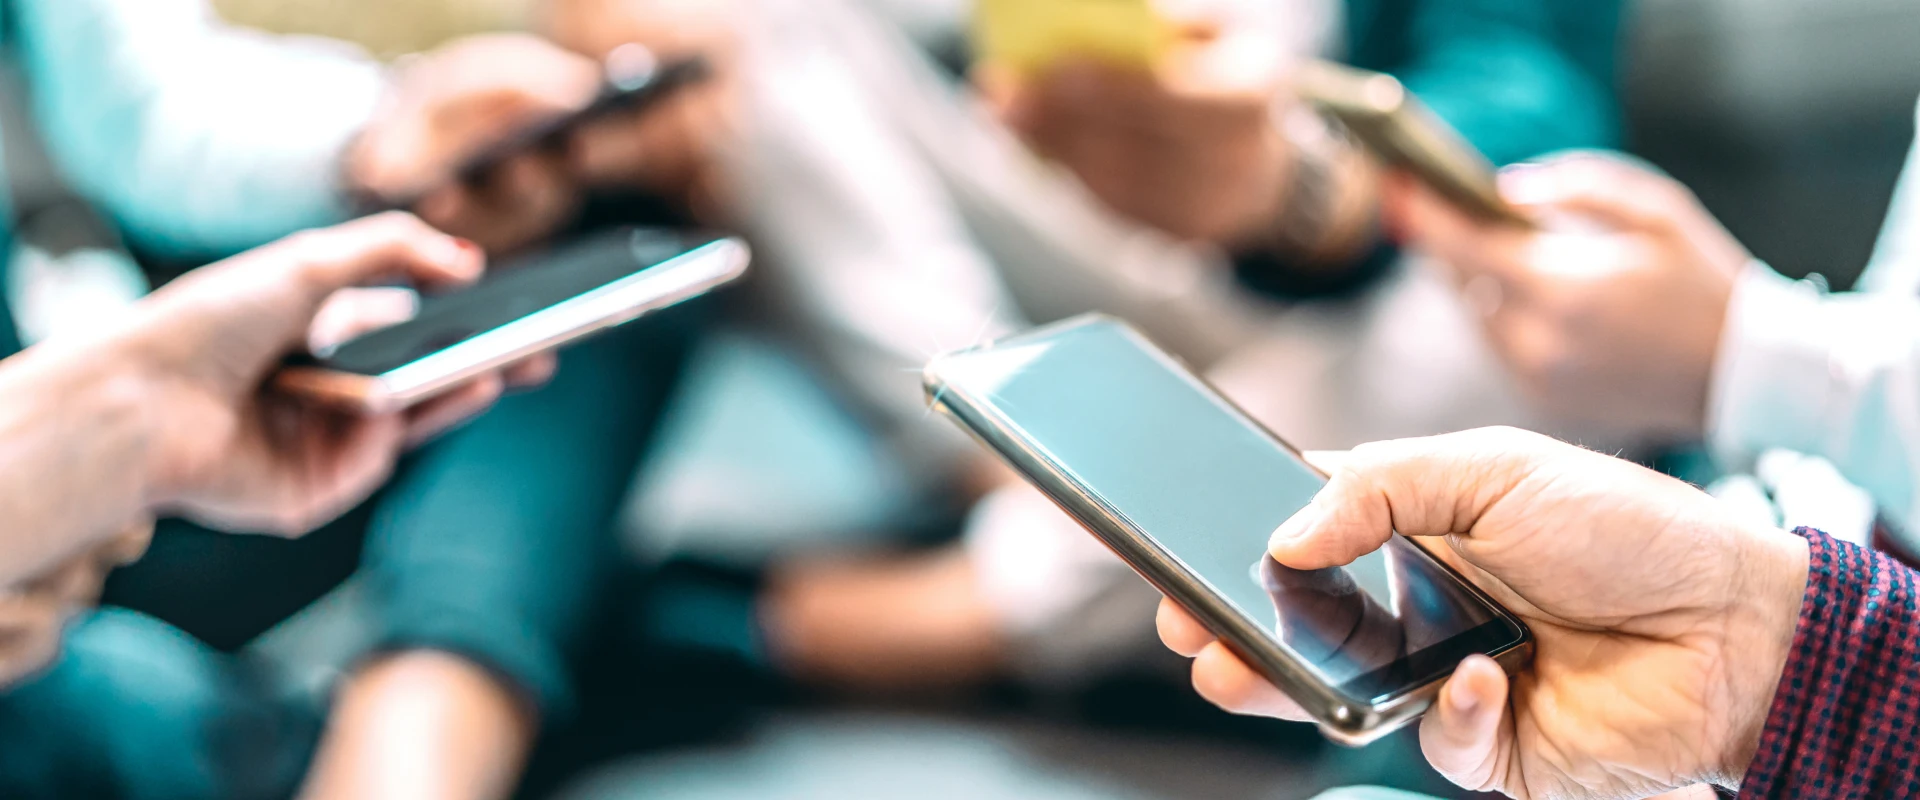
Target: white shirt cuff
pixel 1772 382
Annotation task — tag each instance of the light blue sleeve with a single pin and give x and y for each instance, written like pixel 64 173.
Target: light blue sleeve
pixel 201 139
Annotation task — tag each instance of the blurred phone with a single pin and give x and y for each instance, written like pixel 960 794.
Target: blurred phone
pixel 635 81
pixel 517 310
pixel 1402 132
pixel 1028 36
pixel 1186 488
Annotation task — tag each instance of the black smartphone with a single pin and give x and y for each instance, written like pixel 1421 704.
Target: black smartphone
pixel 520 308
pixel 1186 488
pixel 635 81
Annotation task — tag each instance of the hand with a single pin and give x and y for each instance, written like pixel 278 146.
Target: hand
pixel 670 150
pixel 1190 148
pixel 451 104
pixel 1612 314
pixel 1661 624
pixel 235 457
pixel 33 616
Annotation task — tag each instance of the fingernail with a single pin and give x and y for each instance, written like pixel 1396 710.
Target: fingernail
pixel 464 255
pixel 1295 528
pixel 1529 184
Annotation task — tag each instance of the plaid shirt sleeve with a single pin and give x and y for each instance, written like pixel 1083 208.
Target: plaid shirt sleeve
pixel 1845 721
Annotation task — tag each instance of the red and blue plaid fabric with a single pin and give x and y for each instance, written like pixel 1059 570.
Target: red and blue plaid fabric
pixel 1845 722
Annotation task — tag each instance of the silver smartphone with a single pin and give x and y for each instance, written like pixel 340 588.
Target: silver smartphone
pixel 519 309
pixel 1401 131
pixel 1186 488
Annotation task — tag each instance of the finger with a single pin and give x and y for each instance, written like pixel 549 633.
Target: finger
pixel 1419 487
pixel 526 199
pixel 1606 189
pixel 1179 631
pixel 30 629
pixel 394 245
pixel 1461 735
pixel 1327 461
pixel 1467 247
pixel 1225 681
pixel 341 458
pixel 532 372
pixel 352 312
pixel 443 413
pixel 129 546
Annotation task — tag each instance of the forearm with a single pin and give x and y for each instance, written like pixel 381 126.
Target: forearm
pixel 201 139
pixel 75 434
pixel 1843 714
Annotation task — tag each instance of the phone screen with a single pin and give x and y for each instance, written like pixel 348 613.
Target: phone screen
pixel 508 293
pixel 1209 486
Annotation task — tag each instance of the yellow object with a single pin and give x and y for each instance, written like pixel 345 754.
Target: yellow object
pixel 387 28
pixel 1028 36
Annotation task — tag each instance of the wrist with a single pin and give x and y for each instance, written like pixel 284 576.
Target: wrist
pixel 1759 638
pixel 1327 209
pixel 90 400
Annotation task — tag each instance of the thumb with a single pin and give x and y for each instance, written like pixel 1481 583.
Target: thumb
pixel 1419 487
pixel 1327 461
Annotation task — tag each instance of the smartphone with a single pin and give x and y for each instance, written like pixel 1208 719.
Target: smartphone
pixel 535 304
pixel 1029 36
pixel 1186 488
pixel 635 80
pixel 1402 132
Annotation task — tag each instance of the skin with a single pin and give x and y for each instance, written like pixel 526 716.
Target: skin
pixel 671 150
pixel 1611 314
pixel 1661 624
pixel 402 723
pixel 164 412
pixel 1192 147
pixel 447 105
pixel 466 734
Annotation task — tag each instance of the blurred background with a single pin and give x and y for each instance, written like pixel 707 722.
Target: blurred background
pixel 1790 119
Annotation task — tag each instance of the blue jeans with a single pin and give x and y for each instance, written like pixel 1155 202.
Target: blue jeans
pixel 137 710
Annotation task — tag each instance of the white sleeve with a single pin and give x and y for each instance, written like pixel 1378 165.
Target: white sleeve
pixel 201 139
pixel 1835 376
pixel 1896 257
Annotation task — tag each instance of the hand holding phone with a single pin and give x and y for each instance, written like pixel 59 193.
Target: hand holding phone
pixel 1660 621
pixel 519 309
pixel 473 136
pixel 1186 489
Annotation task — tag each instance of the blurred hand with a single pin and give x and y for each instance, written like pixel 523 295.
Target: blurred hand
pixel 672 149
pixel 1661 625
pixel 235 457
pixel 1612 314
pixel 450 104
pixel 1190 148
pixel 33 616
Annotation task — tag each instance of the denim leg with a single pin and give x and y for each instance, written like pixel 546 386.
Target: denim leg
pixel 494 544
pixel 137 710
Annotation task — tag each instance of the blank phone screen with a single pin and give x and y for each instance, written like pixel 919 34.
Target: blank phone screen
pixel 508 293
pixel 1210 486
